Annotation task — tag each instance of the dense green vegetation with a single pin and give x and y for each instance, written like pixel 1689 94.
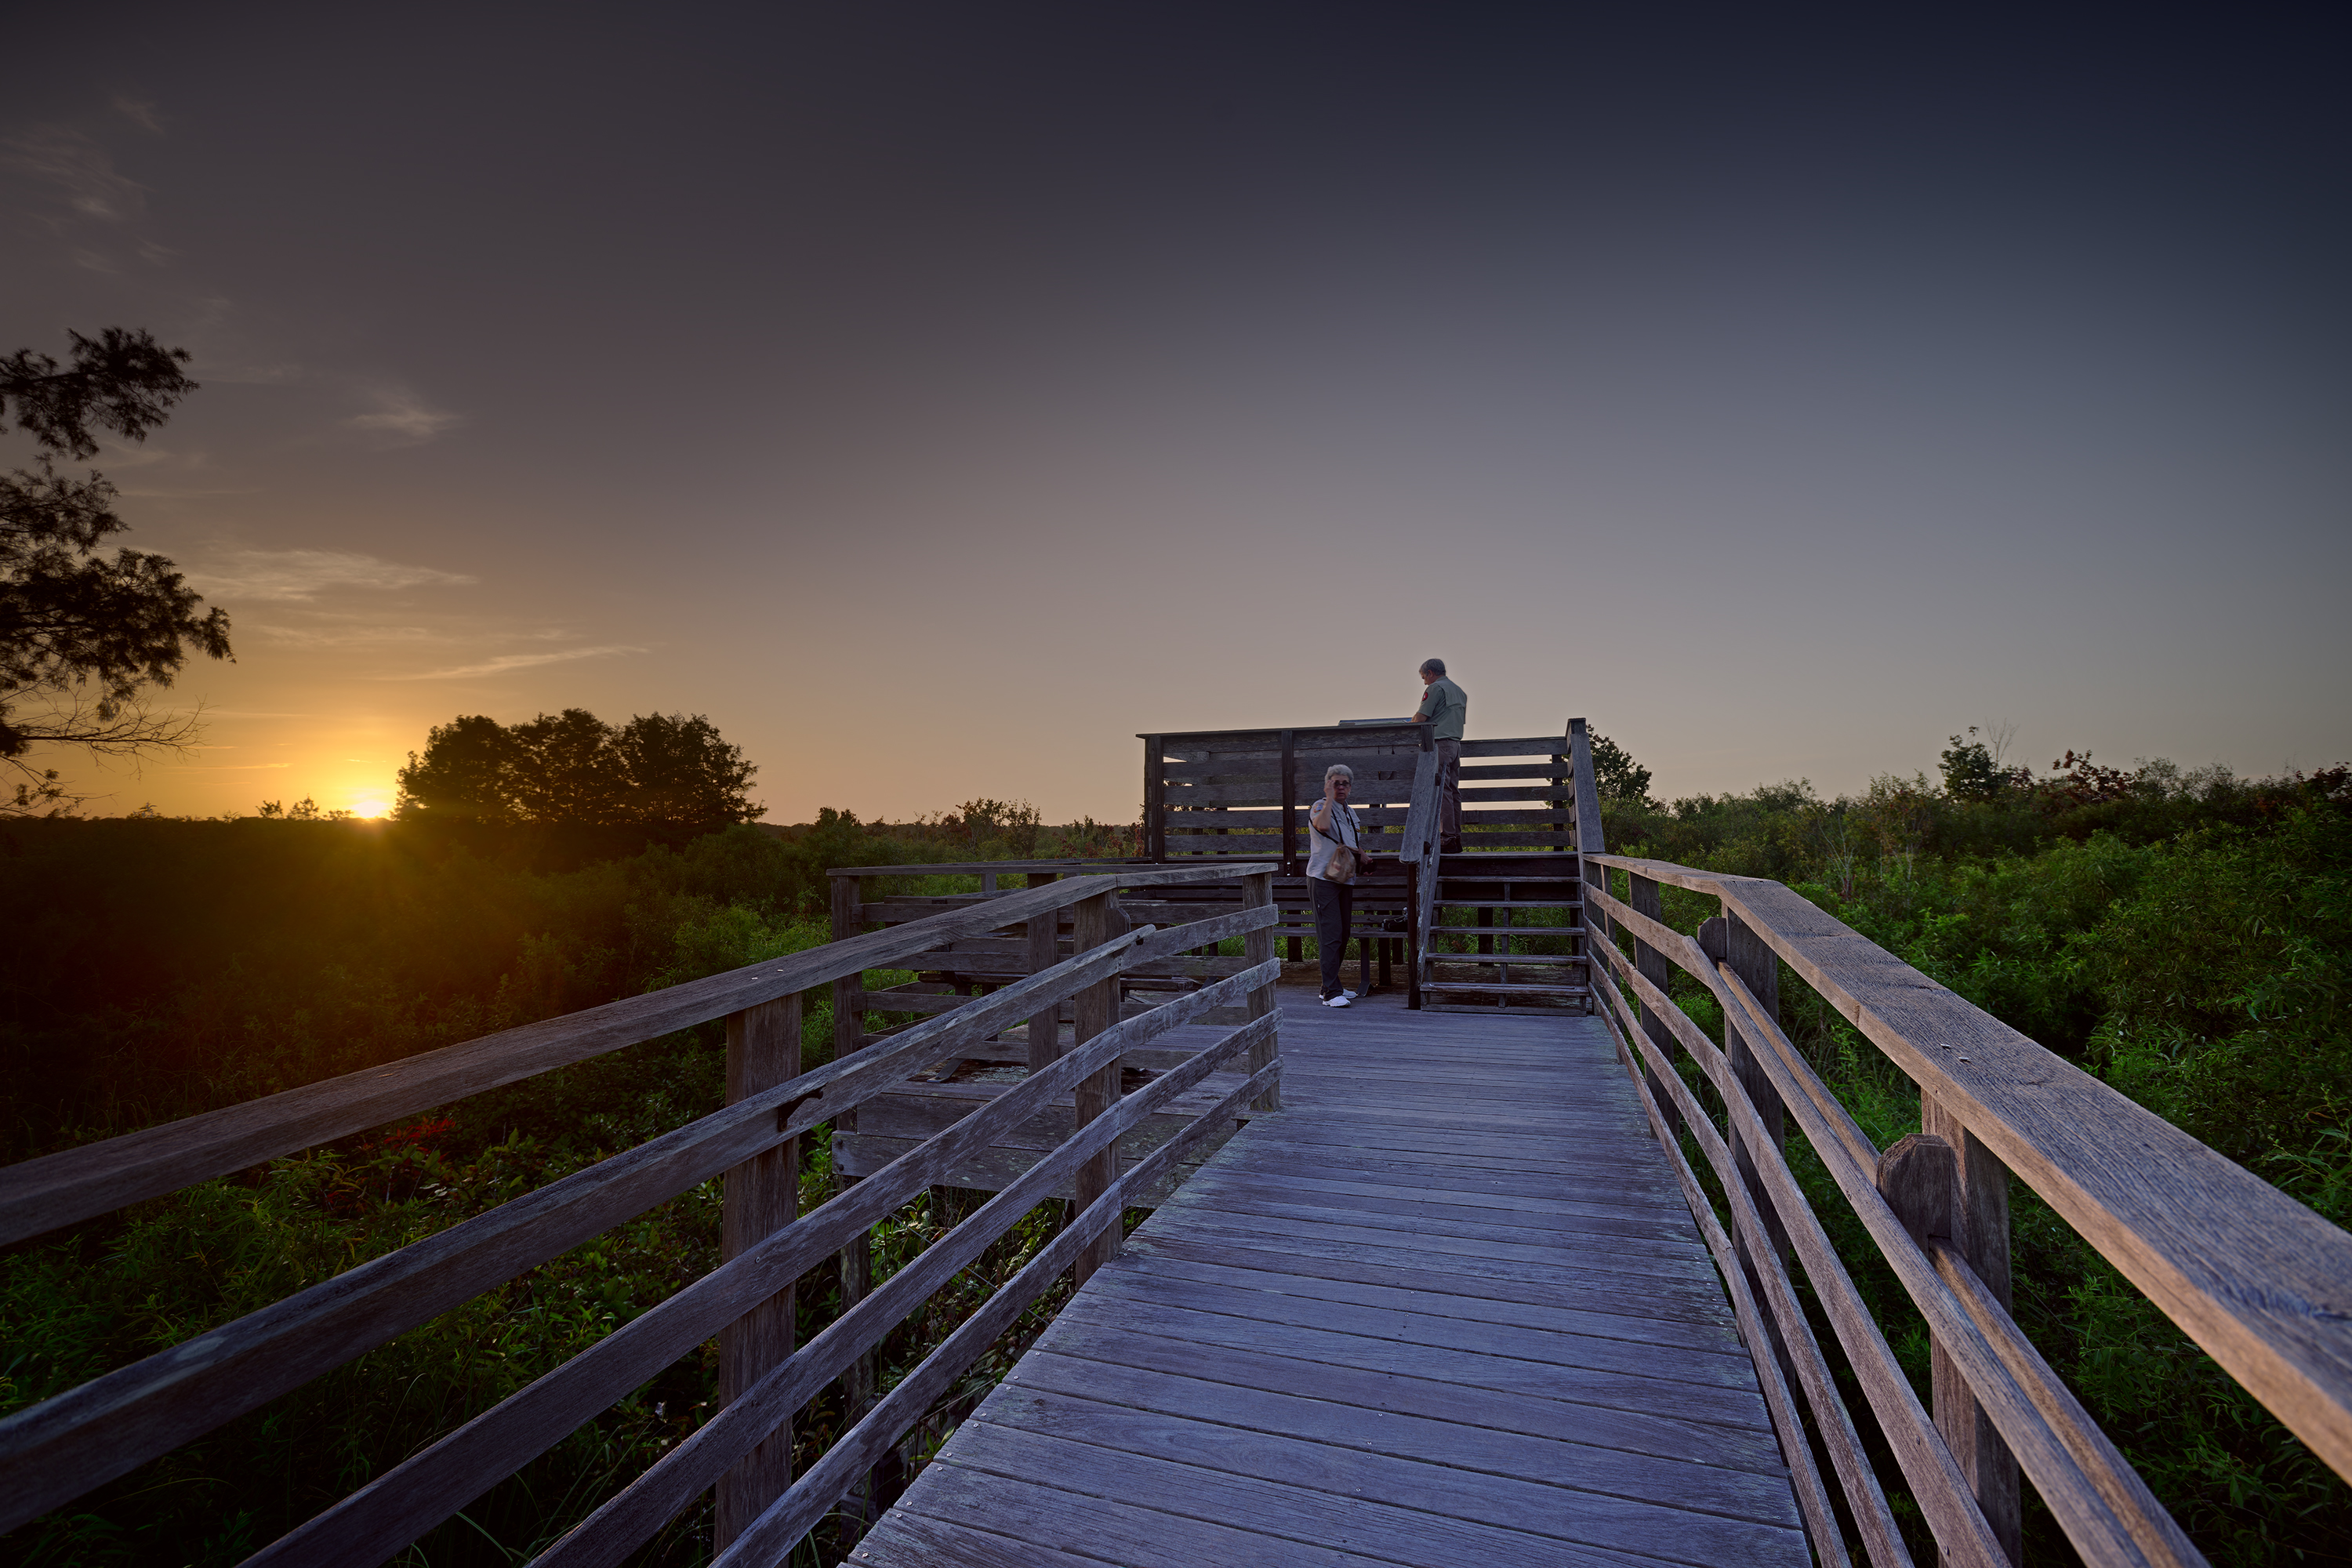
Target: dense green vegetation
pixel 2184 937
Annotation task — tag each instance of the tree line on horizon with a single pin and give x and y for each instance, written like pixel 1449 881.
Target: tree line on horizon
pixel 573 768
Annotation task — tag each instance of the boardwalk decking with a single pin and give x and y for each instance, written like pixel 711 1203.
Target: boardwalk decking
pixel 1447 1308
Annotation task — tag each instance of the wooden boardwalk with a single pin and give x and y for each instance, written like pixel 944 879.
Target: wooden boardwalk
pixel 1428 1314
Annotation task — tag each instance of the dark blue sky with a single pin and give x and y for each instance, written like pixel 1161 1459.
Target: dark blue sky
pixel 936 395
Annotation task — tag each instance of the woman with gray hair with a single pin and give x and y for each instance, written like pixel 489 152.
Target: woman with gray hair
pixel 1333 861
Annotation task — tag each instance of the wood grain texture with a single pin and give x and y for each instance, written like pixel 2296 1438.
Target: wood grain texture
pixel 1093 1010
pixel 761 1196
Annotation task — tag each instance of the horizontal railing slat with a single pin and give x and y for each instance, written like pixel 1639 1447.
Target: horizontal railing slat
pixel 42 1195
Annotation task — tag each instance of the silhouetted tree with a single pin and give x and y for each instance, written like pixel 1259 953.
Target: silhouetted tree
pixel 463 774
pixel 657 770
pixel 80 635
pixel 1615 774
pixel 676 769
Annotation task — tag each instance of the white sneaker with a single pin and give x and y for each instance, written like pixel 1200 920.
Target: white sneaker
pixel 1339 1001
pixel 1350 996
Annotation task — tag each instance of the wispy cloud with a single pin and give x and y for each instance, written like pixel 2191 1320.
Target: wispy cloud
pixel 349 635
pixel 505 662
pixel 297 576
pixel 404 416
pixel 79 167
pixel 139 113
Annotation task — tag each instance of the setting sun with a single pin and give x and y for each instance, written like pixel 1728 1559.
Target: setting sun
pixel 371 805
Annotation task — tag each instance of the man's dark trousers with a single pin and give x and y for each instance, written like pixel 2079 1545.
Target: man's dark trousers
pixel 1335 909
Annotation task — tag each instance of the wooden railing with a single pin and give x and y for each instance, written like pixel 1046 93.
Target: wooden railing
pixel 65 1445
pixel 2261 1282
pixel 1418 842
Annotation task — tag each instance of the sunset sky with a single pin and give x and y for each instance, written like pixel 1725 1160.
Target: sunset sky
pixel 938 395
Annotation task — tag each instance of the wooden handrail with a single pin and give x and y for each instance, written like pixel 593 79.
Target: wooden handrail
pixel 2126 1178
pixel 78 1439
pixel 2259 1281
pixel 56 1190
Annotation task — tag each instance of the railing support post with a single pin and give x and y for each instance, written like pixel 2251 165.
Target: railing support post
pixel 1980 1232
pixel 1642 893
pixel 1726 939
pixel 1043 933
pixel 1258 947
pixel 855 1259
pixel 1093 1011
pixel 762 1196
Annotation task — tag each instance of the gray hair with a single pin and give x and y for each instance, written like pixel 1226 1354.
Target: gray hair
pixel 1339 771
pixel 1433 666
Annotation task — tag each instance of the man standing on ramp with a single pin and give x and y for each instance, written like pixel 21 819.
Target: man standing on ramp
pixel 1444 707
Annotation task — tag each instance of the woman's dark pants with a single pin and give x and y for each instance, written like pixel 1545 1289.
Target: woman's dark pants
pixel 1335 908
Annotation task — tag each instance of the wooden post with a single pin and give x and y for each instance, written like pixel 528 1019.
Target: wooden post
pixel 1155 799
pixel 1415 939
pixel 1258 947
pixel 1729 940
pixel 1980 1233
pixel 1093 1011
pixel 762 1196
pixel 1044 1026
pixel 855 1259
pixel 848 1019
pixel 1589 840
pixel 1641 892
pixel 1290 867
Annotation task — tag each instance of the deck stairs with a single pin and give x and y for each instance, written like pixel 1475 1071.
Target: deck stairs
pixel 1508 934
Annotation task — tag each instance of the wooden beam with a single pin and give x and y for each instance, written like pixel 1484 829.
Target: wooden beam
pixel 1094 1011
pixel 761 1196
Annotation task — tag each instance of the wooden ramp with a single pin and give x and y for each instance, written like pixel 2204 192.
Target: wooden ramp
pixel 1446 1308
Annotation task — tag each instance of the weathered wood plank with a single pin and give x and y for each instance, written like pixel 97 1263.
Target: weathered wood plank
pixel 902 1540
pixel 1571 1490
pixel 1414 1289
pixel 1313 1514
pixel 1458 1368
pixel 1107 1529
pixel 1721 1366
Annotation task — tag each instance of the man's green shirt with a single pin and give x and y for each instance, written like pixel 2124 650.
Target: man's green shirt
pixel 1445 706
